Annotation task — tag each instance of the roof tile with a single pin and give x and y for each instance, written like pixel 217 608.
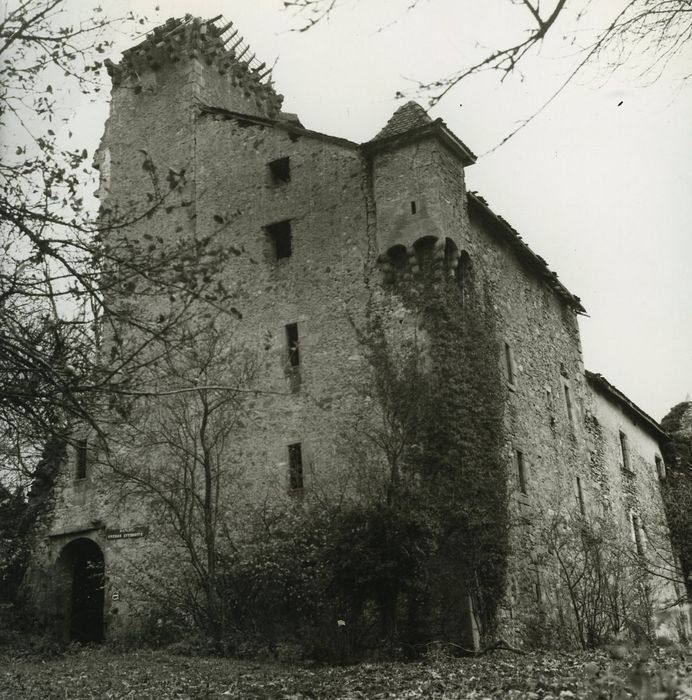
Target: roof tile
pixel 407 117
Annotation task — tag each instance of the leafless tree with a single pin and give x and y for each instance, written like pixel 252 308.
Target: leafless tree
pixel 600 583
pixel 66 277
pixel 175 455
pixel 656 29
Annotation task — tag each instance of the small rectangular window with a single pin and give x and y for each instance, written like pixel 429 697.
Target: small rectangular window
pixel 81 459
pixel 568 403
pixel 509 363
pixel 292 344
pixel 280 234
pixel 660 467
pixel 521 471
pixel 280 170
pixel 624 451
pixel 295 467
pixel 549 398
pixel 580 497
pixel 413 206
pixel 537 590
pixel 637 532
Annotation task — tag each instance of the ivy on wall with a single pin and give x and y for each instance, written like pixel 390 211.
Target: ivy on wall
pixel 433 350
pixel 676 489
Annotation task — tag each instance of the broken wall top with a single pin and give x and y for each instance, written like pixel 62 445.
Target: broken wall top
pixel 219 47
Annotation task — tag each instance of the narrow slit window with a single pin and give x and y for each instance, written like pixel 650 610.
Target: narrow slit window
pixel 537 591
pixel 280 170
pixel 295 466
pixel 521 471
pixel 292 343
pixel 580 497
pixel 568 403
pixel 464 276
pixel 413 206
pixel 81 459
pixel 624 451
pixel 280 234
pixel 509 363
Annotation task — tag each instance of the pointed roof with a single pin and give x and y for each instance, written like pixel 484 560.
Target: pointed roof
pixel 411 122
pixel 407 117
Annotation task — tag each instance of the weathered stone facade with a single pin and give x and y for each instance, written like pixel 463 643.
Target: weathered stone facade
pixel 316 244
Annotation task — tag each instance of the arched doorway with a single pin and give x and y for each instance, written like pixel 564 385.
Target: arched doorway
pixel 81 572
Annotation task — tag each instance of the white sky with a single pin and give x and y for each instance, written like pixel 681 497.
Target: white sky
pixel 603 191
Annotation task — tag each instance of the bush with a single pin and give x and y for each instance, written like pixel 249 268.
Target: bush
pixel 325 586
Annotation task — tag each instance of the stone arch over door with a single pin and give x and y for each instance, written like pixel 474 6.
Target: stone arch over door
pixel 79 586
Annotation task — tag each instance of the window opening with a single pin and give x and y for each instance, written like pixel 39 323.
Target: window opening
pixel 81 459
pixel 660 467
pixel 413 206
pixel 293 344
pixel 509 363
pixel 624 451
pixel 537 591
pixel 280 234
pixel 568 403
pixel 521 471
pixel 295 466
pixel 580 497
pixel 280 170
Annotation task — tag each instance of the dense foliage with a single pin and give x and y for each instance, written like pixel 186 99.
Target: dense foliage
pixel 20 513
pixel 677 487
pixel 438 433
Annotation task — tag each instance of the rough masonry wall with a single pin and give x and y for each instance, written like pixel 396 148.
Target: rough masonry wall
pixel 632 488
pixel 149 118
pixel 320 286
pixel 540 348
pixel 630 497
pixel 150 133
pixel 426 173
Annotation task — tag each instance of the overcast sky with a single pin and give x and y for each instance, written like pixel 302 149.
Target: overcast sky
pixel 599 184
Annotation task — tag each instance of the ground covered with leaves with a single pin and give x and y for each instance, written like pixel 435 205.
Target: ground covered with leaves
pixel 103 673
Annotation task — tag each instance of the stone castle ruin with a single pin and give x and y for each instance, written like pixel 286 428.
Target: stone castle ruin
pixel 325 236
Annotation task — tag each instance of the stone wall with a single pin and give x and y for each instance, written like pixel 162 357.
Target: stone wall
pixel 421 175
pixel 627 454
pixel 320 286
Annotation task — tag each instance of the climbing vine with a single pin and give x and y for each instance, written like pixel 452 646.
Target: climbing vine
pixel 432 348
pixel 676 489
